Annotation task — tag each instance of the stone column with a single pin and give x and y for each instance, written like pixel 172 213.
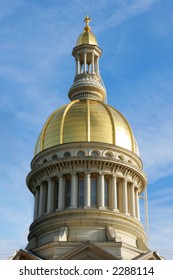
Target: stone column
pixel 50 196
pixel 97 66
pixel 87 190
pixel 61 193
pixel 74 190
pixel 132 198
pixel 93 63
pixel 36 203
pixel 125 201
pixel 77 65
pixel 114 193
pixel 41 199
pixel 101 191
pixel 137 204
pixel 85 54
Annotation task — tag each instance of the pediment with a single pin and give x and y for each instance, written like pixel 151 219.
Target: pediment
pixel 88 251
pixel 151 255
pixel 25 255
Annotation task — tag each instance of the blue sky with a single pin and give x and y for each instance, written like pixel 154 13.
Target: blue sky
pixel 37 70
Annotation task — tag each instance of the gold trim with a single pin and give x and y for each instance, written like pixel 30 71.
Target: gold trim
pixel 88 120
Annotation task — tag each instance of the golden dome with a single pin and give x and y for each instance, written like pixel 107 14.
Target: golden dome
pixel 86 37
pixel 86 121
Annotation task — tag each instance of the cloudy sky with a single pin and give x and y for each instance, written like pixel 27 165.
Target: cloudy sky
pixel 36 71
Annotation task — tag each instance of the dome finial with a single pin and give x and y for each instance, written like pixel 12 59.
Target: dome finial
pixel 87 20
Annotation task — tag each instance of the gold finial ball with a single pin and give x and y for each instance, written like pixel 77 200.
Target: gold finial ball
pixel 87 20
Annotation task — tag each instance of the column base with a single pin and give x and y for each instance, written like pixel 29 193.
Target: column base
pixel 73 207
pixel 59 209
pixel 116 210
pixel 126 213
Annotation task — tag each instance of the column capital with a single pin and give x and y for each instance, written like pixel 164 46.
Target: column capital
pixel 50 179
pixel 136 188
pixel 73 173
pixel 87 172
pixel 125 179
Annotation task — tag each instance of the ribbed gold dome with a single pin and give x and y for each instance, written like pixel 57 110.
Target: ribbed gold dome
pixel 86 120
pixel 87 37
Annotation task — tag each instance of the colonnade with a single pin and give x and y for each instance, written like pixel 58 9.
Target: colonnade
pixel 87 61
pixel 86 190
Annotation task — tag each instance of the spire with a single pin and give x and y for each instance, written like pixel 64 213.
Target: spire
pixel 87 20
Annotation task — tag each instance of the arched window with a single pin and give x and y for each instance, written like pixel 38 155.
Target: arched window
pixel 94 154
pixel 45 160
pixel 120 157
pixel 55 157
pixel 80 154
pixel 67 154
